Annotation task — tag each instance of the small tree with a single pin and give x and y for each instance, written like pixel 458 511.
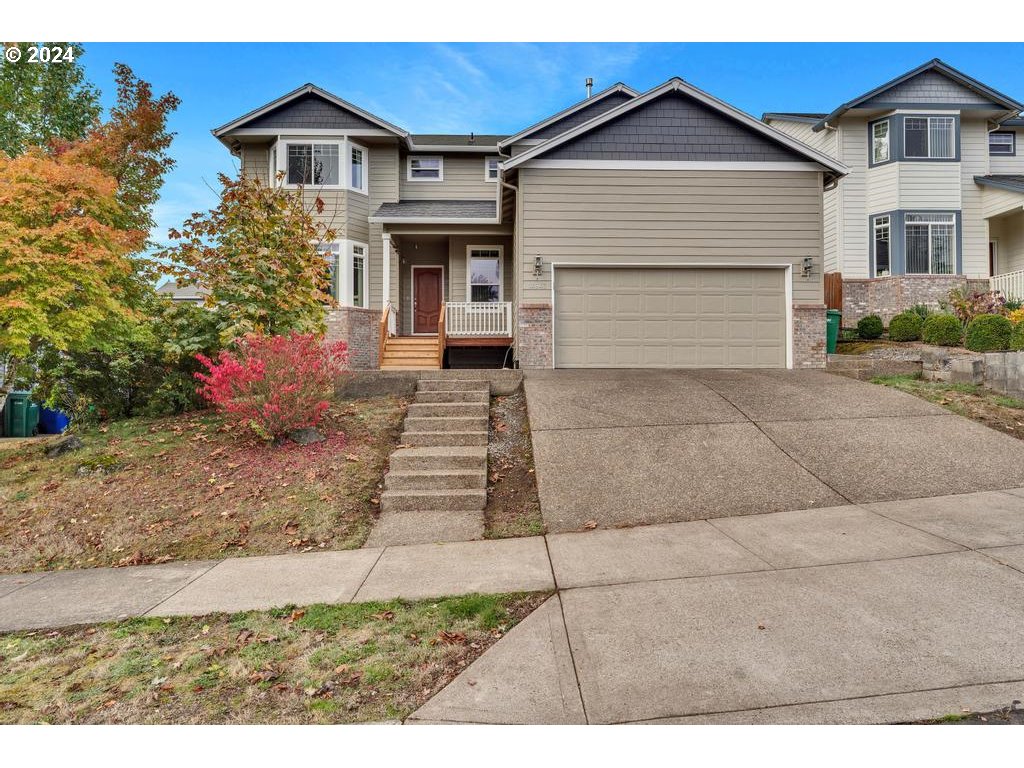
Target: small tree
pixel 274 385
pixel 257 255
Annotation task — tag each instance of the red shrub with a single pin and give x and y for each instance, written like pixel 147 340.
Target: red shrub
pixel 274 384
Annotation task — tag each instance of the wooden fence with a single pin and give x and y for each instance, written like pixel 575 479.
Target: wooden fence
pixel 834 290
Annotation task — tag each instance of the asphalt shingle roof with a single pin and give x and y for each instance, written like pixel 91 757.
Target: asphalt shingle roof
pixel 456 139
pixel 439 209
pixel 1013 182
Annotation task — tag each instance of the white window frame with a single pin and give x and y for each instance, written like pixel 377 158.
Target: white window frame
pixel 487 168
pixel 878 222
pixel 929 224
pixel 335 290
pixel 469 272
pixel 272 165
pixel 365 188
pixel 440 168
pixel 1012 146
pixel 350 261
pixel 875 138
pixel 342 167
pixel 928 136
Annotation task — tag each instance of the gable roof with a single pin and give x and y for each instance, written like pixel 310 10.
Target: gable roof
pixel 678 85
pixel 935 65
pixel 298 93
pixel 618 88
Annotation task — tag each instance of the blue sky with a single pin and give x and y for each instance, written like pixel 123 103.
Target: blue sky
pixel 496 87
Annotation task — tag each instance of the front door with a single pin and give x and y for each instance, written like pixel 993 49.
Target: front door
pixel 427 293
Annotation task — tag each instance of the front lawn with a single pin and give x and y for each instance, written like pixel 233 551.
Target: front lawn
pixel 992 409
pixel 187 488
pixel 321 664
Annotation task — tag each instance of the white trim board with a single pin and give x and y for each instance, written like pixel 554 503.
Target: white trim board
pixel 673 165
pixel 426 220
pixel 787 279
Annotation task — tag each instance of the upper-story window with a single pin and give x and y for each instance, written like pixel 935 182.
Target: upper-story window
pixel 1002 143
pixel 491 168
pixel 880 142
pixel 317 164
pixel 927 138
pixel 357 168
pixel 426 168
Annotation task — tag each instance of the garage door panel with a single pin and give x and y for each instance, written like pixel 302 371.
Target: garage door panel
pixel 669 317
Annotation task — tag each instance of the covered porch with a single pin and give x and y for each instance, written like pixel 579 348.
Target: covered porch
pixel 1003 206
pixel 448 298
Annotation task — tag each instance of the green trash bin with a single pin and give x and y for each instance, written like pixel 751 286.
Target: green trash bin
pixel 832 318
pixel 21 417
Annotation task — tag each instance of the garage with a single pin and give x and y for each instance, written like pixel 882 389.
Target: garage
pixel 670 317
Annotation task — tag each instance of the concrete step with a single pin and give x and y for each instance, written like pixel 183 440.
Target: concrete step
pixel 435 480
pixel 440 458
pixel 451 385
pixel 423 439
pixel 456 396
pixel 438 410
pixel 444 500
pixel 400 528
pixel 446 423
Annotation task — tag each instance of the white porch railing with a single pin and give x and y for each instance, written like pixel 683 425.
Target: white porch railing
pixel 478 318
pixel 1010 284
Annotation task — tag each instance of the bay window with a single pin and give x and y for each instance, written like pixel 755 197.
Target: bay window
pixel 484 274
pixel 359 275
pixel 880 142
pixel 930 243
pixel 314 164
pixel 332 254
pixel 882 229
pixel 341 164
pixel 929 138
pixel 357 168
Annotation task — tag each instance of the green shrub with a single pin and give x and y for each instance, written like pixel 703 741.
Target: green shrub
pixel 988 333
pixel 870 327
pixel 922 310
pixel 905 326
pixel 1012 304
pixel 1017 337
pixel 943 330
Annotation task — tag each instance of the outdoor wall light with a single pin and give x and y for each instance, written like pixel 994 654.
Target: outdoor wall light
pixel 808 265
pixel 538 267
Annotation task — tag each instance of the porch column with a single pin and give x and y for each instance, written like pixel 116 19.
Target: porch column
pixel 387 270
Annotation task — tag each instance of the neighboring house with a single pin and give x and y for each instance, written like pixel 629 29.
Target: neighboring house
pixel 182 291
pixel 935 194
pixel 662 229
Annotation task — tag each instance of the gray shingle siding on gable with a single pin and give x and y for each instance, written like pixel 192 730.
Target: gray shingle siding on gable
pixel 310 111
pixel 673 127
pixel 927 88
pixel 588 112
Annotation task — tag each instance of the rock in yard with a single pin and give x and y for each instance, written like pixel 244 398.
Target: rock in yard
pixel 306 436
pixel 66 444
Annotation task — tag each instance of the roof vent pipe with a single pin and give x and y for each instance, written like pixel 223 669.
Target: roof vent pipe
pixel 590 86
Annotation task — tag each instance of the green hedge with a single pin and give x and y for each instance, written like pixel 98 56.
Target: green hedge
pixel 870 327
pixel 943 330
pixel 988 333
pixel 1017 337
pixel 905 326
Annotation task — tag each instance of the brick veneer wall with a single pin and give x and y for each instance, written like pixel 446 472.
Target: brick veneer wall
pixel 809 335
pixel 533 340
pixel 888 296
pixel 360 329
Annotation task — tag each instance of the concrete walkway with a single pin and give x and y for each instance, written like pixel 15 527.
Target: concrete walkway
pixel 890 611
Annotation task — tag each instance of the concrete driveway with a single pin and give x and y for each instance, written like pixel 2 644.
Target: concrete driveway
pixel 639 447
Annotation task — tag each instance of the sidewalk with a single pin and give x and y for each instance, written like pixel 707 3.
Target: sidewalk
pixel 734 545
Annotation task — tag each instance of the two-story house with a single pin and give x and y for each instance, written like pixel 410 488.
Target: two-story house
pixel 934 198
pixel 657 229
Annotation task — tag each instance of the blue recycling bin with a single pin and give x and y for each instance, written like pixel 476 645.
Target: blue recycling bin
pixel 53 422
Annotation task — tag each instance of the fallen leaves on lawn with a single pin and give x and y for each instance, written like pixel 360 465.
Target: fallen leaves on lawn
pixel 590 525
pixel 449 638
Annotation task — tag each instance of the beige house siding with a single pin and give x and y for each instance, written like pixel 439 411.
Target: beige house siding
pixel 669 217
pixel 974 161
pixel 1009 165
pixel 852 214
pixel 458 259
pixel 428 254
pixel 256 161
pixel 383 178
pixel 928 185
pixel 463 180
pixel 882 188
pixel 1008 233
pixel 995 201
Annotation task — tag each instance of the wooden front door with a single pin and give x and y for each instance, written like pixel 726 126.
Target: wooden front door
pixel 427 294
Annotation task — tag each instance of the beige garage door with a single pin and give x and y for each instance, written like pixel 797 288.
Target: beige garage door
pixel 669 318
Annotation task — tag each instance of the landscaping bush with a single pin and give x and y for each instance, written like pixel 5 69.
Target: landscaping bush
pixel 274 385
pixel 1017 337
pixel 967 306
pixel 905 326
pixel 943 330
pixel 1013 305
pixel 922 310
pixel 988 333
pixel 870 327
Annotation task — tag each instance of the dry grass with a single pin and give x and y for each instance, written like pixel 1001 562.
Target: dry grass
pixel 513 505
pixel 186 488
pixel 323 664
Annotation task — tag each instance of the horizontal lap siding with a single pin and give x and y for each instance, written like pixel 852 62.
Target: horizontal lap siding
pixel 1006 164
pixel 463 180
pixel 669 217
pixel 383 178
pixel 974 162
